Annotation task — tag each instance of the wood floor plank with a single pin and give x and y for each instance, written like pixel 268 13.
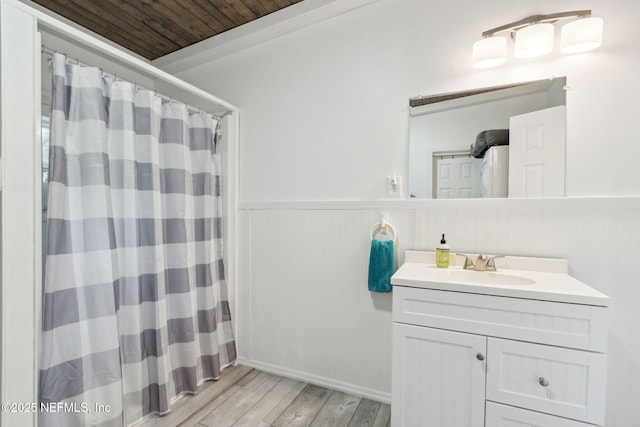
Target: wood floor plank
pixel 194 419
pixel 251 375
pixel 183 408
pixel 365 413
pixel 304 407
pixel 242 401
pixel 245 397
pixel 383 417
pixel 338 410
pixel 277 410
pixel 255 416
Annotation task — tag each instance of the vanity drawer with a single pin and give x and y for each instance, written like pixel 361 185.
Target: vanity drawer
pixel 498 415
pixel 559 381
pixel 561 324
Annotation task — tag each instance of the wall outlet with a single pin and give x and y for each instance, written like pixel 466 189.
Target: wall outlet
pixel 394 186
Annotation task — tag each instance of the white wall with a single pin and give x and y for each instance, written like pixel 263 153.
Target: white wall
pixel 305 309
pixel 338 91
pixel 325 121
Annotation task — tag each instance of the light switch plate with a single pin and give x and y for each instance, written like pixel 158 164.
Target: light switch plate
pixel 394 186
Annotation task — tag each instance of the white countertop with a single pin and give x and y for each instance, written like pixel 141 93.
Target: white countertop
pixel 517 277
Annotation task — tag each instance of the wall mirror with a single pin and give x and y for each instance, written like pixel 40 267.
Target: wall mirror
pixel 503 141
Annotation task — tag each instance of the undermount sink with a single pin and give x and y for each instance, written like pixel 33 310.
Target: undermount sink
pixel 483 277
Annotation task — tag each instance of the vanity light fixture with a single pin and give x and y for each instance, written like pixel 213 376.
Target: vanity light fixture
pixel 534 37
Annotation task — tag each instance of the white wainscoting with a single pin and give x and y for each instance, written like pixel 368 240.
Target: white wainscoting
pixel 304 309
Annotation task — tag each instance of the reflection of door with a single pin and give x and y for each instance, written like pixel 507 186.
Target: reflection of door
pixel 537 153
pixel 457 177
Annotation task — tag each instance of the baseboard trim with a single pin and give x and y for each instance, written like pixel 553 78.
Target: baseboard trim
pixel 376 395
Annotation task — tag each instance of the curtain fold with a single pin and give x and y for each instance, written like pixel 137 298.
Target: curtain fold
pixel 135 308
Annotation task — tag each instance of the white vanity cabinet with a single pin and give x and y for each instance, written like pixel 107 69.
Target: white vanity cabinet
pixel 471 359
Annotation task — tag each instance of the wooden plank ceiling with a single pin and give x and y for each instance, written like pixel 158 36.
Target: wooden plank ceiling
pixel 153 28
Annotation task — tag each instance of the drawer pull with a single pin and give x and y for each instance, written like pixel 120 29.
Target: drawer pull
pixel 480 356
pixel 543 381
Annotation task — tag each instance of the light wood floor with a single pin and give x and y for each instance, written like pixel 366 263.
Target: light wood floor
pixel 248 397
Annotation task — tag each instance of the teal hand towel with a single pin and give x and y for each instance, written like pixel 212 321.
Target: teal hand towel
pixel 381 264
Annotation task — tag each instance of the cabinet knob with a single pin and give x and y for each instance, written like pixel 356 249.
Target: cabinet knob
pixel 480 356
pixel 543 381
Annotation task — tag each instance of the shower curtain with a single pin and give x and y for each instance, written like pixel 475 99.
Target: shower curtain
pixel 135 310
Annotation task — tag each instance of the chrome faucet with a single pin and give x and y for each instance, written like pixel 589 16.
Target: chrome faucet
pixel 483 262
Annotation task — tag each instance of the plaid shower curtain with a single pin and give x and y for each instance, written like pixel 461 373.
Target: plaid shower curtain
pixel 135 310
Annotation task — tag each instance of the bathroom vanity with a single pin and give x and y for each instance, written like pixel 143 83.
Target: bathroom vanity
pixel 521 346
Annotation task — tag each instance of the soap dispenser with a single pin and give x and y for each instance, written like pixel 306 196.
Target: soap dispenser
pixel 442 254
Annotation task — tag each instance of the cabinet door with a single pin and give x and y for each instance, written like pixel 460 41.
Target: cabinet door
pixel 438 377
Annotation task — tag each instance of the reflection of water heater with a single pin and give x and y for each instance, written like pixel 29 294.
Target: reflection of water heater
pixel 494 172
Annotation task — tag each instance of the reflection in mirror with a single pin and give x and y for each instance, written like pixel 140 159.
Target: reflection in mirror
pixel 505 141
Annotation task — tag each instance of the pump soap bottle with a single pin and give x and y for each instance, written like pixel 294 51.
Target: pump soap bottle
pixel 442 254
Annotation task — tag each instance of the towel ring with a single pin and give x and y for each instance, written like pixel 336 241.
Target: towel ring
pixel 378 227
